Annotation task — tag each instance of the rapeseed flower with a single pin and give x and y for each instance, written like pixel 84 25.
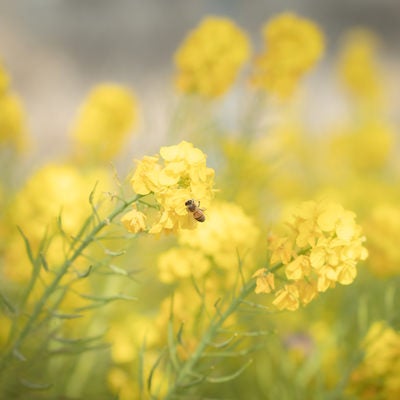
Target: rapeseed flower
pixel 322 249
pixel 105 119
pixel 178 173
pixel 292 46
pixel 210 57
pixel 378 375
pixel 52 191
pixel 13 131
pixel 230 236
pixel 358 67
pixel 382 228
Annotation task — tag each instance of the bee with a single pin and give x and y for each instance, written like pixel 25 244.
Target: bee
pixel 193 208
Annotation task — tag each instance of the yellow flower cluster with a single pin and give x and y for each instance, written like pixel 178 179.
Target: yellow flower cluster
pixel 322 248
pixel 377 377
pixel 292 46
pixel 53 190
pixel 210 58
pixel 104 121
pixel 12 117
pixel 228 237
pixel 177 174
pixel 358 67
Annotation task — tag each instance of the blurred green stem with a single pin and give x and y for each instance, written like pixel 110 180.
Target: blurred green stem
pixel 40 305
pixel 186 372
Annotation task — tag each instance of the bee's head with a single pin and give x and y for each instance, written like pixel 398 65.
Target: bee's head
pixel 189 202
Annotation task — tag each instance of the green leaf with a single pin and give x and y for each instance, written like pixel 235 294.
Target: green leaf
pixel 227 378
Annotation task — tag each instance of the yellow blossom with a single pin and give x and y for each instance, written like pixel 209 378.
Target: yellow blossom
pixel 287 298
pixel 292 46
pixel 13 130
pixel 104 122
pixel 378 373
pixel 134 221
pixel 321 249
pixel 211 56
pixel 358 67
pixel 382 228
pixel 178 173
pixel 227 236
pixel 52 191
pixel 180 263
pixel 265 282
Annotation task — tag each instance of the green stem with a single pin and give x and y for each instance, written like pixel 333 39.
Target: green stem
pixel 215 325
pixel 39 306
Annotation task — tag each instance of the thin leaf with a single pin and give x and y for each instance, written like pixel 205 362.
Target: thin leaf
pixel 154 367
pixel 117 270
pixel 35 386
pixel 65 316
pixel 114 253
pixel 44 262
pixel 27 247
pixel 227 378
pixel 172 346
pixel 85 274
pixel 17 354
pixel 224 343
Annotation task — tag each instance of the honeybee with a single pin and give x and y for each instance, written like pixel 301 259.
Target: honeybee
pixel 193 208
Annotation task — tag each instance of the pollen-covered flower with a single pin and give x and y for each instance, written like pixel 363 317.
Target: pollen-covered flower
pixel 211 56
pixel 292 46
pixel 321 249
pixel 104 122
pixel 178 173
pixel 378 374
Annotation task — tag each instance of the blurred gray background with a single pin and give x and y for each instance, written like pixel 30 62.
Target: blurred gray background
pixel 56 50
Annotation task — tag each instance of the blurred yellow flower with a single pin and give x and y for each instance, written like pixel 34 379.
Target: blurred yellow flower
pixel 177 174
pixel 322 248
pixel 358 67
pixel 229 236
pixel 13 129
pixel 54 190
pixel 378 374
pixel 382 228
pixel 105 119
pixel 292 46
pixel 210 57
pixel 180 263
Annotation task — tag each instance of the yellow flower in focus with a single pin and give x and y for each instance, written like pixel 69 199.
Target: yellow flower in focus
pixel 104 122
pixel 134 221
pixel 382 228
pixel 358 68
pixel 211 56
pixel 177 174
pixel 292 46
pixel 182 263
pixel 378 374
pixel 321 249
